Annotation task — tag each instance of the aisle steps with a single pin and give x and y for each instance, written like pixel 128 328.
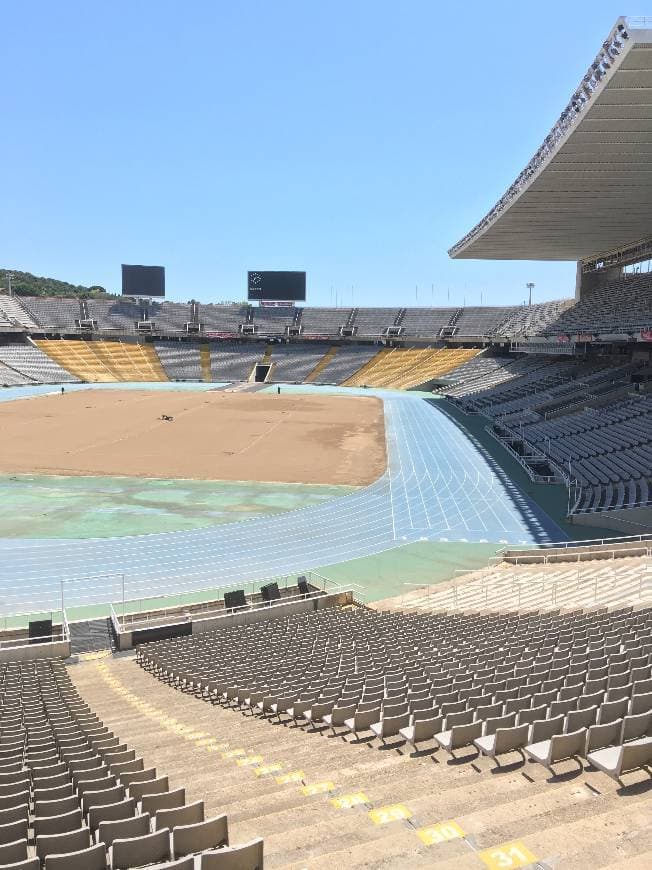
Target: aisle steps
pixel 303 831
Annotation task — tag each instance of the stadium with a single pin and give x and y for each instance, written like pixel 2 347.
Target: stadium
pixel 299 586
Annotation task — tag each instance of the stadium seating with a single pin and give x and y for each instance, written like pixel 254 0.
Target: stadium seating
pixel 602 311
pixel 324 321
pixel 33 365
pixel 343 363
pixel 598 575
pixel 293 363
pixel 504 676
pixel 115 315
pixel 400 368
pixel 89 801
pixel 231 361
pixel 11 378
pixel 52 312
pixel 181 360
pixel 105 361
pixel 225 318
pixel 481 321
pixel 526 320
pixel 374 321
pixel 274 321
pixel 484 372
pixel 608 450
pixel 12 312
pixel 170 316
pixel 426 322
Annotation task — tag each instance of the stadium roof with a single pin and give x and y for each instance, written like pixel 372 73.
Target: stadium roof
pixel 588 189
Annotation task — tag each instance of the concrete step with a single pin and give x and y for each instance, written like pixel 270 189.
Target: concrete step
pixel 560 818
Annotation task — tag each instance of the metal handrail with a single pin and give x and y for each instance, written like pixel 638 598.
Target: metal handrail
pixel 213 613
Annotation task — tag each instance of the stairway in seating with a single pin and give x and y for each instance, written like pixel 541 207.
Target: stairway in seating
pixel 205 363
pixel 550 817
pixel 79 358
pixel 12 310
pixel 321 365
pixel 365 375
pixel 130 362
pixel 91 635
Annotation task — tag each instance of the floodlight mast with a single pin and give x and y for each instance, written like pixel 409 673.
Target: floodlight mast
pixel 530 287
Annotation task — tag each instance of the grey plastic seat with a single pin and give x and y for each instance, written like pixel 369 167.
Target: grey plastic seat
pixel 617 760
pixel 140 850
pixel 390 726
pixel 637 726
pixel 641 703
pixel 544 729
pixel 111 812
pixel 599 736
pixel 464 717
pixel 58 844
pixel 150 786
pixel 338 715
pixel 558 748
pixel 56 807
pixel 104 796
pixel 165 800
pixel 53 794
pixel 504 740
pixel 93 784
pixel 118 768
pixel 93 858
pixel 490 711
pixel 506 721
pixel 190 814
pixel 526 717
pixel 459 736
pixel 581 719
pixel 610 711
pixel 209 834
pixel 28 864
pixel 13 800
pixel 421 730
pixel 10 853
pixel 123 829
pixel 128 777
pixel 248 856
pixel 14 814
pixel 182 864
pixel 363 720
pixel 89 775
pixel 58 824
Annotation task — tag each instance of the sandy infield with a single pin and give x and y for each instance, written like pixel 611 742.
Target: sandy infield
pixel 214 436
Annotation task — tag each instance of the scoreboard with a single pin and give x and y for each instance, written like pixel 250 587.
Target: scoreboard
pixel 276 286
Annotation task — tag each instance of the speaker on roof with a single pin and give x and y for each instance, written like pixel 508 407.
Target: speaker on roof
pixel 235 599
pixel 302 585
pixel 40 631
pixel 270 592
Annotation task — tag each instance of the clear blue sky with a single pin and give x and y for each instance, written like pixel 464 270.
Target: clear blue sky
pixel 357 140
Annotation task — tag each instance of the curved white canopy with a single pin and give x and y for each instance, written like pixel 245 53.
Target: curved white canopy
pixel 588 189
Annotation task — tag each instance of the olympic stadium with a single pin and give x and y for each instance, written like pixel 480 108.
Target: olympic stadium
pixel 356 586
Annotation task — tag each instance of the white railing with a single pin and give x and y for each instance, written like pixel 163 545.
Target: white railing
pixel 140 615
pixel 59 634
pixel 513 591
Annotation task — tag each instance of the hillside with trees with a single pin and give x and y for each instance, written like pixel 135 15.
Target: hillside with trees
pixel 26 284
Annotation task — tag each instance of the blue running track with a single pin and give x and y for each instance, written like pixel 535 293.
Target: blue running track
pixel 440 485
